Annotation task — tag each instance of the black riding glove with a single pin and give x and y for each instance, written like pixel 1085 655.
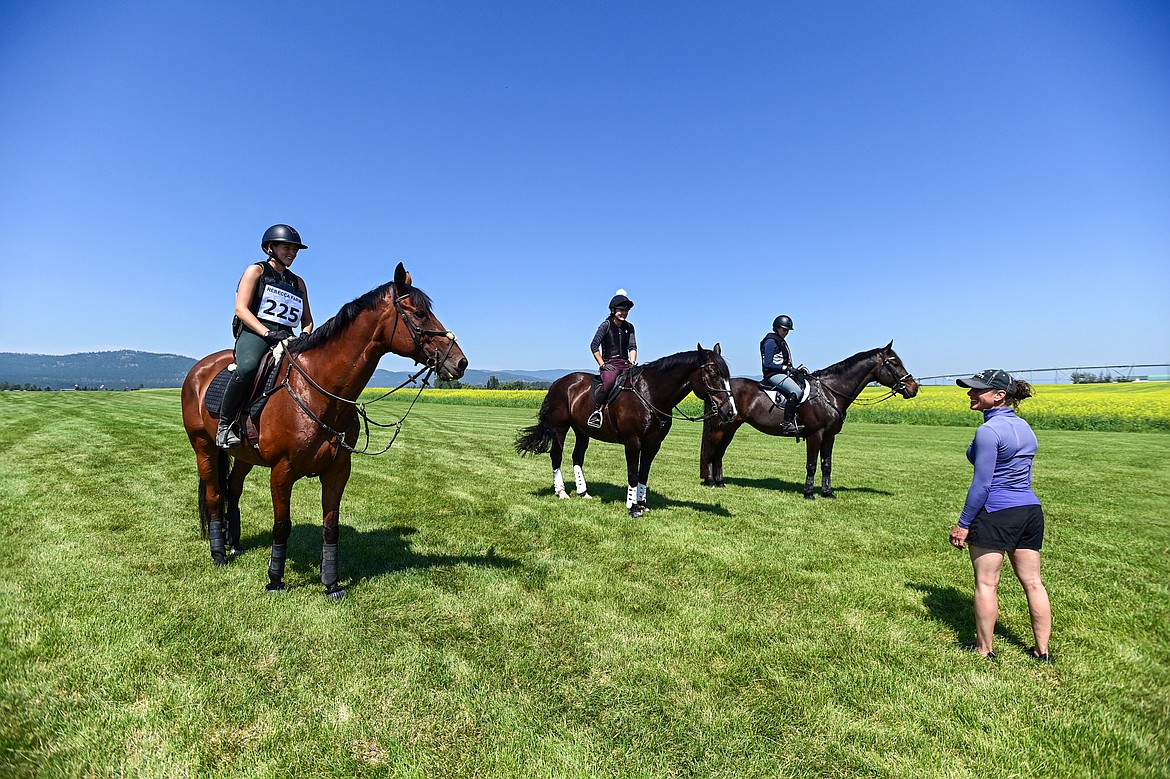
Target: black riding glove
pixel 273 337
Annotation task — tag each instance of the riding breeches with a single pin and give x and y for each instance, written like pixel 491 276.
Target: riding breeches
pixel 784 383
pixel 250 348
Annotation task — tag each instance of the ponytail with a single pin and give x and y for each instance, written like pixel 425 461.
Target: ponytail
pixel 1020 391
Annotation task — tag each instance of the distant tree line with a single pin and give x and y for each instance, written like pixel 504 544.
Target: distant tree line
pixel 26 387
pixel 493 383
pixel 1087 377
pixel 6 386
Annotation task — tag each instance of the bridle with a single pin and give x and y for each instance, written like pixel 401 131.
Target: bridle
pixel 434 360
pixel 898 387
pixel 417 334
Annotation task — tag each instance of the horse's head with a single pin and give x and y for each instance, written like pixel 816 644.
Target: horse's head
pixel 893 374
pixel 712 381
pixel 430 343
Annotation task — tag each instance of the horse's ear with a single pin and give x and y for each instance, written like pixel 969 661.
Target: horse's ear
pixel 890 346
pixel 717 350
pixel 700 346
pixel 401 278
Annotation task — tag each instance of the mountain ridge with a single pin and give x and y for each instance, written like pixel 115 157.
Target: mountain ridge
pixel 133 369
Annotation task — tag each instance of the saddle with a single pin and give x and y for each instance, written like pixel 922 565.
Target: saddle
pixel 777 397
pixel 263 388
pixel 624 380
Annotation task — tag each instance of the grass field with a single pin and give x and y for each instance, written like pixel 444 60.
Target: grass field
pixel 493 631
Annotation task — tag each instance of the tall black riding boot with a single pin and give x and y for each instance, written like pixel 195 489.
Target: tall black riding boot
pixel 229 408
pixel 790 427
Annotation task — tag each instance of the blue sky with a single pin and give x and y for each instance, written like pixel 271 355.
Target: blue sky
pixel 988 184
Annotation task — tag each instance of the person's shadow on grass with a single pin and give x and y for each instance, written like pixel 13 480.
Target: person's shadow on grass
pixel 956 608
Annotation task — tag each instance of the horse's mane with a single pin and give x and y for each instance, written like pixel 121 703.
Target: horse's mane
pixel 838 368
pixel 681 359
pixel 351 310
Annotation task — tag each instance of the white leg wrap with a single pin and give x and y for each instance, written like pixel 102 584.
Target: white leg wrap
pixel 631 497
pixel 641 495
pixel 579 477
pixel 559 484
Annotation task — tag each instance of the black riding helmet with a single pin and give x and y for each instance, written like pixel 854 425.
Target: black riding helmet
pixel 784 321
pixel 281 234
pixel 620 301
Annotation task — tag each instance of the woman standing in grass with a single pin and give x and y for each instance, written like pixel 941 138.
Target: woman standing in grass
pixel 1002 513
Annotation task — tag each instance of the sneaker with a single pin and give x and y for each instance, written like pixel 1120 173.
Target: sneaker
pixel 1040 657
pixel 975 648
pixel 594 419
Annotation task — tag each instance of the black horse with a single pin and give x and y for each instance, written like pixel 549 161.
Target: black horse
pixel 638 418
pixel 831 391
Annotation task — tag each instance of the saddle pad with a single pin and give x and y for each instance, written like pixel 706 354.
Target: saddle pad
pixel 213 400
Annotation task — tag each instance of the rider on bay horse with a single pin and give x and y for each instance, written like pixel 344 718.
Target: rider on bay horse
pixel 271 301
pixel 614 347
pixel 777 365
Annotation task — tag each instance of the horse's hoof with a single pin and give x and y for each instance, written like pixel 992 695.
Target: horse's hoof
pixel 635 512
pixel 337 593
pixel 719 485
pixel 643 507
pixel 562 495
pixel 275 587
pixel 584 495
pixel 809 496
pixel 219 562
pixel 830 495
pixel 236 551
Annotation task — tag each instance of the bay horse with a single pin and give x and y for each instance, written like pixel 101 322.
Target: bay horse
pixel 311 420
pixel 832 391
pixel 638 418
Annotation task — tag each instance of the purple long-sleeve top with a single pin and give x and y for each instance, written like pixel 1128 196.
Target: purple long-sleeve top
pixel 1002 454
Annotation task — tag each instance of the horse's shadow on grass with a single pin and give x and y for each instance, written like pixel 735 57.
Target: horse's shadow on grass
pixel 956 609
pixel 614 493
pixel 367 554
pixel 783 485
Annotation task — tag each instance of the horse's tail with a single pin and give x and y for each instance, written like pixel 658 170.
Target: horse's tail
pixel 225 463
pixel 537 439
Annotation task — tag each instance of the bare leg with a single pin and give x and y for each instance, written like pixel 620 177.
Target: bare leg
pixel 987 564
pixel 1026 563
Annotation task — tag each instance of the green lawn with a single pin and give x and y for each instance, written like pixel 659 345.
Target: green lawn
pixel 494 631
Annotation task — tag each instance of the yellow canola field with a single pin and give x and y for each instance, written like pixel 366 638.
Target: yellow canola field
pixel 1121 407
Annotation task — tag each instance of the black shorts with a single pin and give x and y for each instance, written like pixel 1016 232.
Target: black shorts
pixel 1006 530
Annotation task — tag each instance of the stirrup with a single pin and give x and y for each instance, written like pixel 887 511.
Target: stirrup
pixel 226 437
pixel 594 419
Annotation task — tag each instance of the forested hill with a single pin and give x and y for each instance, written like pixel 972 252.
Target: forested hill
pixel 113 370
pixel 128 369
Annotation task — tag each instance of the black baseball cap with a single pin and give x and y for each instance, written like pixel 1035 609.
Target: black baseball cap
pixel 989 379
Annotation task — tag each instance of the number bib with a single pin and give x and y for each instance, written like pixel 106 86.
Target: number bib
pixel 280 306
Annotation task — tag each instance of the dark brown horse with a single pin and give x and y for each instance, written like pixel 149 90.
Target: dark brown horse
pixel 831 391
pixel 638 418
pixel 310 423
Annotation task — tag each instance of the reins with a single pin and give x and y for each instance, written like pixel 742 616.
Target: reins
pixel 898 386
pixel 360 407
pixel 654 410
